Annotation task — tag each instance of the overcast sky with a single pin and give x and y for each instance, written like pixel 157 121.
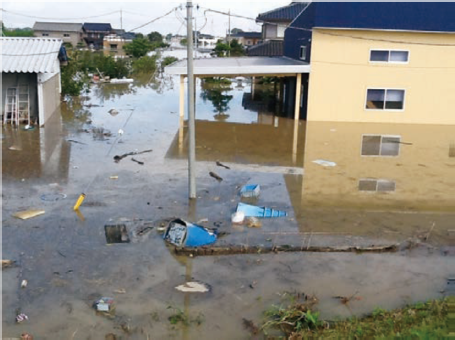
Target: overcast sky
pixel 137 13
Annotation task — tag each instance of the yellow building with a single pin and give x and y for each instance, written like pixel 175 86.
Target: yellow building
pixel 377 62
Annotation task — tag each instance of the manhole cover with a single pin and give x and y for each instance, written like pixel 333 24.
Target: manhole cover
pixel 52 197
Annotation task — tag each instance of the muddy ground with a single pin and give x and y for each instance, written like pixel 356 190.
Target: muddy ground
pixel 68 264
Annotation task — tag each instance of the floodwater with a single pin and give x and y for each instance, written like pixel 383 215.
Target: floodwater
pixel 390 184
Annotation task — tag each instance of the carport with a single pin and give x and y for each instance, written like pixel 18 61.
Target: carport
pixel 242 67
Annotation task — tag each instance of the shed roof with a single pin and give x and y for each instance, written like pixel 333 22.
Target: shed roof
pixel 30 55
pixel 286 13
pixel 270 48
pixel 57 26
pixel 243 66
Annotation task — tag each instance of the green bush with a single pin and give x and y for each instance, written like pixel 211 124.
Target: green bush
pixel 144 64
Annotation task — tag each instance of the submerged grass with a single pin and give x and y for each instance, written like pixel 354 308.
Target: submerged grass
pixel 297 321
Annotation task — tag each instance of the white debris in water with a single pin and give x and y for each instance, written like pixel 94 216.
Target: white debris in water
pixel 238 217
pixel 193 287
pixel 24 283
pixel 324 162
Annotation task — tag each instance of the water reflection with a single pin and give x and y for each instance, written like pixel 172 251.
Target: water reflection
pixel 38 154
pixel 392 166
pixel 218 95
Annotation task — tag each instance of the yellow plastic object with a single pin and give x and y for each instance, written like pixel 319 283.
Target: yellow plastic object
pixel 25 215
pixel 79 202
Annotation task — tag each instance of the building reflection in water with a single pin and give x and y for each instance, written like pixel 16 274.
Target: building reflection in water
pixel 41 155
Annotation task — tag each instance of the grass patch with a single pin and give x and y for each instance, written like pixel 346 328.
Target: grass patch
pixel 297 319
pixel 179 317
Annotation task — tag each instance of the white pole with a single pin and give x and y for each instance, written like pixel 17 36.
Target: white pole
pixel 191 114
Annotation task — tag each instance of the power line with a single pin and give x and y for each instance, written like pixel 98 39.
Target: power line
pixel 64 19
pixel 152 21
pixel 330 33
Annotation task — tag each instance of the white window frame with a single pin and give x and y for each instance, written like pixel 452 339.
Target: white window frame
pixel 380 146
pixel 377 185
pixel 303 48
pixel 385 96
pixel 388 61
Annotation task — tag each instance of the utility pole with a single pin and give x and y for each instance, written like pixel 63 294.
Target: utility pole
pixel 191 101
pixel 121 19
pixel 229 33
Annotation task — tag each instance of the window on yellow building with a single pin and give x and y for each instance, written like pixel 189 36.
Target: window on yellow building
pixel 381 185
pixel 380 145
pixel 389 56
pixel 385 99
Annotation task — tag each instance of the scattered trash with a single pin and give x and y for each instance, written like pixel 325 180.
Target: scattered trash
pixel 253 222
pixel 52 197
pixel 75 141
pixel 138 162
pixel 7 263
pixel 24 283
pixel 15 148
pixel 120 291
pixel 29 127
pixel 222 165
pixel 113 177
pixel 194 287
pixel 116 233
pixel 324 162
pixel 105 305
pixel 185 234
pixel 26 336
pixel 21 317
pixel 214 175
pixel 119 158
pixel 345 299
pixel 250 326
pixel 25 215
pixel 120 132
pixel 251 190
pixel 238 217
pixel 113 112
pixel 254 211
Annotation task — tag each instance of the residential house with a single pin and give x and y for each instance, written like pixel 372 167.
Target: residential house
pixel 246 38
pixel 31 84
pixel 384 62
pixel 206 41
pixel 113 43
pixel 94 34
pixel 68 32
pixel 274 24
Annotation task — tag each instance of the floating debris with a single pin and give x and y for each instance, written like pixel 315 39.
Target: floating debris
pixel 324 162
pixel 138 162
pixel 21 317
pixel 105 305
pixel 118 158
pixel 194 287
pixel 26 336
pixel 25 215
pixel 7 263
pixel 251 190
pixel 24 283
pixel 222 165
pixel 113 177
pixel 116 234
pixel 113 112
pixel 238 217
pixel 214 175
pixel 253 222
pixel 254 211
pixel 52 197
pixel 185 234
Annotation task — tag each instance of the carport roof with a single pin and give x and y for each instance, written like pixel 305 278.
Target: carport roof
pixel 242 66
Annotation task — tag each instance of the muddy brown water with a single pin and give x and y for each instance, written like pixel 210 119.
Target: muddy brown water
pixel 68 264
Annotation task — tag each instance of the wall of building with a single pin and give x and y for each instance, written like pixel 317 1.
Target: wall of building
pixel 423 169
pixel 109 43
pixel 341 73
pixel 50 95
pixel 74 37
pixel 13 80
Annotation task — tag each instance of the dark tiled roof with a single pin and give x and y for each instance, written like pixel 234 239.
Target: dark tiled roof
pixel 270 48
pixel 57 26
pixel 248 35
pixel 97 27
pixel 286 13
